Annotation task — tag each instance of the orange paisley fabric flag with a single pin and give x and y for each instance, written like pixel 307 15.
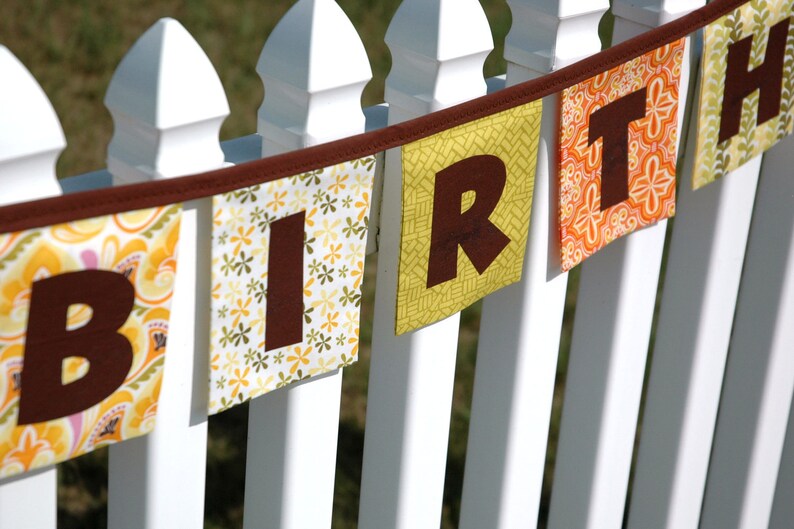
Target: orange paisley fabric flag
pixel 618 142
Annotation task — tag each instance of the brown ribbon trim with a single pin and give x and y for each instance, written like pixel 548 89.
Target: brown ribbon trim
pixel 86 204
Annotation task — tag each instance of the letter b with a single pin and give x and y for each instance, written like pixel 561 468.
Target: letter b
pixel 48 342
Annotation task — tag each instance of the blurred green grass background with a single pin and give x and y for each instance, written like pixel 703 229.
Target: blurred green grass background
pixel 72 48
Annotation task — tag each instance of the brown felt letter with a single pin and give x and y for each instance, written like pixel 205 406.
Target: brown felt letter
pixel 284 316
pixel 611 122
pixel 48 342
pixel 485 175
pixel 766 78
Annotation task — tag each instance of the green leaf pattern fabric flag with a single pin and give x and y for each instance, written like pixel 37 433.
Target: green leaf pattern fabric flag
pixel 745 54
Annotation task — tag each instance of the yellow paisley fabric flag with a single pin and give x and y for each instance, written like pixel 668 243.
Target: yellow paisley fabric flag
pixel 84 310
pixel 467 193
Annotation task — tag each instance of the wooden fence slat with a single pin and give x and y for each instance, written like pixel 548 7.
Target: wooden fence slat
pixel 438 49
pixel 696 316
pixel 314 68
pixel 31 139
pixel 520 325
pixel 759 378
pixel 783 507
pixel 614 312
pixel 168 104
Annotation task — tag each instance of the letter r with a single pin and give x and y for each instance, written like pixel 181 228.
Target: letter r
pixel 482 241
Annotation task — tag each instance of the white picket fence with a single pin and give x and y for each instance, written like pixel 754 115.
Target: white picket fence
pixel 713 450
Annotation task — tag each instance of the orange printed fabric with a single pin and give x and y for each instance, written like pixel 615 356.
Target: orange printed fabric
pixel 618 142
pixel 84 311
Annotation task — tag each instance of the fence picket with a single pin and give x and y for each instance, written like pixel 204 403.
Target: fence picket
pixel 759 376
pixel 696 316
pixel 520 325
pixel 31 139
pixel 783 507
pixel 438 49
pixel 615 307
pixel 716 449
pixel 314 68
pixel 168 104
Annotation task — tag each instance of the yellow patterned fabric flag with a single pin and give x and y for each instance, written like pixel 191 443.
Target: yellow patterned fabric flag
pixel 467 193
pixel 287 266
pixel 746 87
pixel 84 310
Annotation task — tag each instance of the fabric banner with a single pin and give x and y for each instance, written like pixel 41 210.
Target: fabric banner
pixel 618 144
pixel 287 266
pixel 468 186
pixel 84 311
pixel 746 87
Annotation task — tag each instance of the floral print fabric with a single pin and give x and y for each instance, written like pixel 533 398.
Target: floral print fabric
pixel 141 245
pixel 652 144
pixel 336 204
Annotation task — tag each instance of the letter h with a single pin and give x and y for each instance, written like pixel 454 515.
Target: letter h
pixel 767 78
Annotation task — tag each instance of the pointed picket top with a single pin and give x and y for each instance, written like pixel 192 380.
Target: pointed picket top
pixel 168 105
pixel 438 51
pixel 548 35
pixel 314 68
pixel 653 13
pixel 31 137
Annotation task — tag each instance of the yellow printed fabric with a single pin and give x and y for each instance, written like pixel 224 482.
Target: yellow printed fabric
pixel 480 226
pixel 287 268
pixel 135 251
pixel 746 87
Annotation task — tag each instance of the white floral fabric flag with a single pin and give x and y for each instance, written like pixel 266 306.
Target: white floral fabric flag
pixel 287 266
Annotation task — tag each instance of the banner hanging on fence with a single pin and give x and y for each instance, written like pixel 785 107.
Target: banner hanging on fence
pixel 618 143
pixel 287 266
pixel 43 212
pixel 467 188
pixel 84 310
pixel 746 87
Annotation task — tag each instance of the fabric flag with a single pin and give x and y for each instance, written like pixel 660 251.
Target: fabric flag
pixel 618 142
pixel 84 310
pixel 470 187
pixel 746 87
pixel 287 266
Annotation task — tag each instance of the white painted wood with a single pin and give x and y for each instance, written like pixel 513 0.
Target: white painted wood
pixel 168 104
pixel 520 325
pixel 31 139
pixel 783 507
pixel 438 49
pixel 561 33
pixel 759 378
pixel 696 316
pixel 651 13
pixel 614 312
pixel 314 68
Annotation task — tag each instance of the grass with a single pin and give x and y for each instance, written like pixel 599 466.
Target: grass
pixel 72 49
